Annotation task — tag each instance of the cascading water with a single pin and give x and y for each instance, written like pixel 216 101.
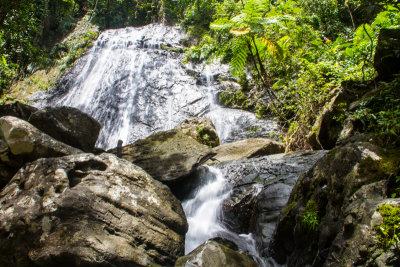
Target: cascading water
pixel 204 215
pixel 133 83
pixel 135 86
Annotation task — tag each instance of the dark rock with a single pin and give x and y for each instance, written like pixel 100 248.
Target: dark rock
pixel 6 173
pixel 345 188
pixel 167 156
pixel 18 110
pixel 20 143
pixel 261 188
pixel 387 56
pixel 68 125
pixel 214 254
pixel 86 210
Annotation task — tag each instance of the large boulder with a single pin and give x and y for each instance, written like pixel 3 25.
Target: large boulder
pixel 20 142
pixel 167 156
pixel 202 130
pixel 214 254
pixel 331 217
pixel 87 210
pixel 248 148
pixel 68 125
pixel 387 57
pixel 18 110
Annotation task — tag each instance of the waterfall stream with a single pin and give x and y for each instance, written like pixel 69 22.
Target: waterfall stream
pixel 135 84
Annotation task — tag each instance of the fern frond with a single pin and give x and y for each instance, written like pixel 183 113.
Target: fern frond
pixel 239 58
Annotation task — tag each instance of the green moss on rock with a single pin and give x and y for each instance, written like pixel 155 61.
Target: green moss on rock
pixel 388 233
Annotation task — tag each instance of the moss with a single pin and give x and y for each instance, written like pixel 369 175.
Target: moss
pixel 388 233
pixel 179 50
pixel 205 136
pixel 289 207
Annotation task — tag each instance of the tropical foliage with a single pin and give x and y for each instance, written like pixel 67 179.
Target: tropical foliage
pixel 297 52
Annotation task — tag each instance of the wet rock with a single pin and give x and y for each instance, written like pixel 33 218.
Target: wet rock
pixel 20 142
pixel 387 58
pixel 87 210
pixel 261 188
pixel 249 148
pixel 18 110
pixel 331 215
pixel 167 156
pixel 214 254
pixel 68 125
pixel 202 130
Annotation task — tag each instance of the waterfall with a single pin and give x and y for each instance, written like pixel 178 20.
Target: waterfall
pixel 135 85
pixel 204 215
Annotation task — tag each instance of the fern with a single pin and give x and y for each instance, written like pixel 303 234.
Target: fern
pixel 239 58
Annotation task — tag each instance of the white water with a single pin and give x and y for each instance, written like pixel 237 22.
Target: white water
pixel 204 214
pixel 134 88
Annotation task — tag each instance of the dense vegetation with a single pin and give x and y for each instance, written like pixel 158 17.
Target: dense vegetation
pixel 30 29
pixel 295 53
pixel 298 53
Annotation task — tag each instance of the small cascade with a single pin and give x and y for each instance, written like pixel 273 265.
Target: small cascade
pixel 205 216
pixel 266 182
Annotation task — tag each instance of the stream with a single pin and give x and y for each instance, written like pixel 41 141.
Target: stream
pixel 135 84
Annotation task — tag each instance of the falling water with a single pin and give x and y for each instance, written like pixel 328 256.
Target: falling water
pixel 135 86
pixel 204 215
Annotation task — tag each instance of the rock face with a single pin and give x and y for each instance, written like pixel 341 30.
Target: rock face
pixel 18 110
pixel 249 148
pixel 214 254
pixel 329 124
pixel 387 58
pixel 86 210
pixel 261 188
pixel 68 125
pixel 167 156
pixel 331 216
pixel 202 130
pixel 20 142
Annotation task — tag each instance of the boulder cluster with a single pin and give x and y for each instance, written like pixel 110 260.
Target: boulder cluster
pixel 64 202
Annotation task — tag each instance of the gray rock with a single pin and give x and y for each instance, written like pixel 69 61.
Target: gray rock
pixel 167 156
pixel 20 142
pixel 261 188
pixel 68 125
pixel 214 254
pixel 86 210
pixel 249 148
